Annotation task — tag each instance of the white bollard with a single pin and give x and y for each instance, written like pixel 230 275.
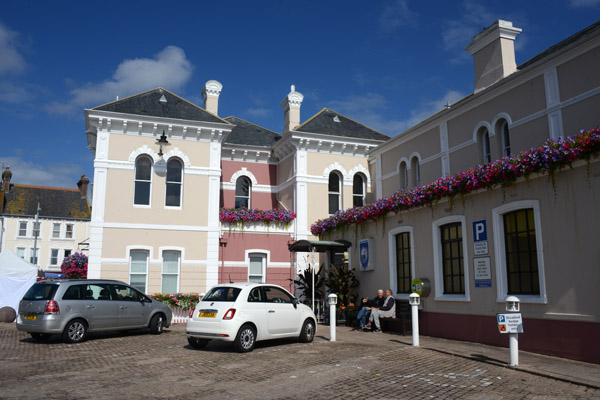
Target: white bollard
pixel 414 300
pixel 513 340
pixel 415 324
pixel 332 299
pixel 332 322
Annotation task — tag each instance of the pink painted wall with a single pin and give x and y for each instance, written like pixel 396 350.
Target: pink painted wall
pixel 277 276
pixel 237 243
pixel 265 174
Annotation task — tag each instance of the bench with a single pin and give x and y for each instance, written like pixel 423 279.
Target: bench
pixel 402 322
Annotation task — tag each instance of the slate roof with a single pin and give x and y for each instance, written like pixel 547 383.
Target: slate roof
pixel 324 122
pixel 54 202
pixel 148 103
pixel 250 134
pixel 590 30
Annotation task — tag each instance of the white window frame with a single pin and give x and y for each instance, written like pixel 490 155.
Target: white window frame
pixel 250 186
pixel 486 150
pixel 54 225
pixel 504 135
pixel 362 195
pixel 149 260
pixel 403 174
pixel 415 166
pixel 393 258
pixel 181 252
pixel 65 254
pixel 152 165
pixel 72 231
pixel 57 257
pixel 266 254
pixel 34 253
pixel 180 206
pixel 500 254
pixel 24 251
pixel 39 236
pixel 340 178
pixel 437 259
pixel 26 229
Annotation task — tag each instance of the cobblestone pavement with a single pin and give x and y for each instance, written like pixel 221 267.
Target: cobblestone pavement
pixel 359 365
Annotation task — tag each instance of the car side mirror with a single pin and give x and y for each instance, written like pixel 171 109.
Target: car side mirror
pixel 295 302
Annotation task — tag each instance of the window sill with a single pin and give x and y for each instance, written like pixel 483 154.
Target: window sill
pixel 452 297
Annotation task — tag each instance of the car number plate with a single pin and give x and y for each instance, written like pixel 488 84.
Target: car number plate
pixel 30 316
pixel 207 314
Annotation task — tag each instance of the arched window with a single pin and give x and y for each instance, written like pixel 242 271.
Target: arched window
pixel 335 194
pixel 358 190
pixel 416 172
pixel 403 171
pixel 242 192
pixel 484 138
pixel 505 139
pixel 143 181
pixel 174 181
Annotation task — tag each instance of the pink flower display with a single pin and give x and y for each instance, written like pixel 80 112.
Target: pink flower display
pixel 75 266
pixel 553 155
pixel 241 215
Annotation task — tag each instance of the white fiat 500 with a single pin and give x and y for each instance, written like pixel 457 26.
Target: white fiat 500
pixel 244 313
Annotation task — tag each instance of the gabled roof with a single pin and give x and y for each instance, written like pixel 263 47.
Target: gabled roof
pixel 54 202
pixel 329 122
pixel 149 103
pixel 250 134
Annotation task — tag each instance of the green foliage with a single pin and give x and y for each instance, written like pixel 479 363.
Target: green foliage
pixel 304 283
pixel 343 283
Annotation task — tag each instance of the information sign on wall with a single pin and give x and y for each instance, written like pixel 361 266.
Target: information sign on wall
pixel 482 272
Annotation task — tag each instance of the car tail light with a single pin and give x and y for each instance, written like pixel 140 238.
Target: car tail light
pixel 192 312
pixel 51 307
pixel 229 314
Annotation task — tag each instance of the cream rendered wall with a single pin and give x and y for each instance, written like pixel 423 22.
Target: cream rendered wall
pixel 285 170
pixel 427 144
pixel 121 146
pixel 578 116
pixel 120 197
pixel 318 162
pixel 45 241
pixel 569 246
pixel 577 76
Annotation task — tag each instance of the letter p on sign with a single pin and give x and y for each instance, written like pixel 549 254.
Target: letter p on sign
pixel 479 231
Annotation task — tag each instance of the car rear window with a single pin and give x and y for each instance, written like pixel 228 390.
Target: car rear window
pixel 222 294
pixel 41 291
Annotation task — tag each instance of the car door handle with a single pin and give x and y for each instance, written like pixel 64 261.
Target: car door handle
pixel 271 311
pixel 90 307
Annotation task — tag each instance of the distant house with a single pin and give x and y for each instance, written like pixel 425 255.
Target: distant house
pixel 62 226
pixel 536 239
pixel 164 168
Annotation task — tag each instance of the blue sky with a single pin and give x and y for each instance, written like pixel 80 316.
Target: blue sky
pixel 387 64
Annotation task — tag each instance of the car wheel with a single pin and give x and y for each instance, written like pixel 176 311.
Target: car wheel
pixel 157 324
pixel 197 343
pixel 75 331
pixel 39 336
pixel 308 331
pixel 245 339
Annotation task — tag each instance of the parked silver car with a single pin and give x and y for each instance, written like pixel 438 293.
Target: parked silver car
pixel 74 307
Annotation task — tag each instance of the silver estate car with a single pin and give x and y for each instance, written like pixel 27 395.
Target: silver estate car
pixel 74 307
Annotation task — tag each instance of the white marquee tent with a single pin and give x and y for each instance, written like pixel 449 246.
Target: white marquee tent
pixel 16 277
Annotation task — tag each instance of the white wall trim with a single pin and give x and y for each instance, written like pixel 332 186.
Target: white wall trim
pixel 179 154
pixel 267 261
pixel 437 260
pixel 500 256
pixel 393 260
pixel 496 119
pixel 480 124
pixel 246 173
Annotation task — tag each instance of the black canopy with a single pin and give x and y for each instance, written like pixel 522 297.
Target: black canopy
pixel 320 246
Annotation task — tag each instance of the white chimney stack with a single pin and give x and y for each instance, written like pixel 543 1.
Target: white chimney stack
pixel 210 94
pixel 493 51
pixel 291 110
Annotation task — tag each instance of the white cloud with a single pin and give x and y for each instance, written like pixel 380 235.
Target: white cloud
pixel 13 94
pixel 258 112
pixel 395 15
pixel 11 60
pixel 62 175
pixel 170 69
pixel 370 111
pixel 584 3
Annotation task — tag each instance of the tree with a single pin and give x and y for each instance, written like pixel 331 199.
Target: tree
pixel 75 266
pixel 343 283
pixel 304 283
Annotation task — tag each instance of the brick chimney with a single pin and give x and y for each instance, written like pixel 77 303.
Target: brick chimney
pixel 210 94
pixel 6 175
pixel 83 186
pixel 493 51
pixel 291 110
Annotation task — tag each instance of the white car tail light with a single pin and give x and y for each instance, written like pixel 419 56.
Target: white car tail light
pixel 229 314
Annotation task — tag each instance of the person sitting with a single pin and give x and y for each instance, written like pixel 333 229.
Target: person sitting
pixel 388 310
pixel 367 305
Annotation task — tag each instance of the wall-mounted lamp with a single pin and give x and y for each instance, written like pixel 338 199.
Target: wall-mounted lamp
pixel 162 141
